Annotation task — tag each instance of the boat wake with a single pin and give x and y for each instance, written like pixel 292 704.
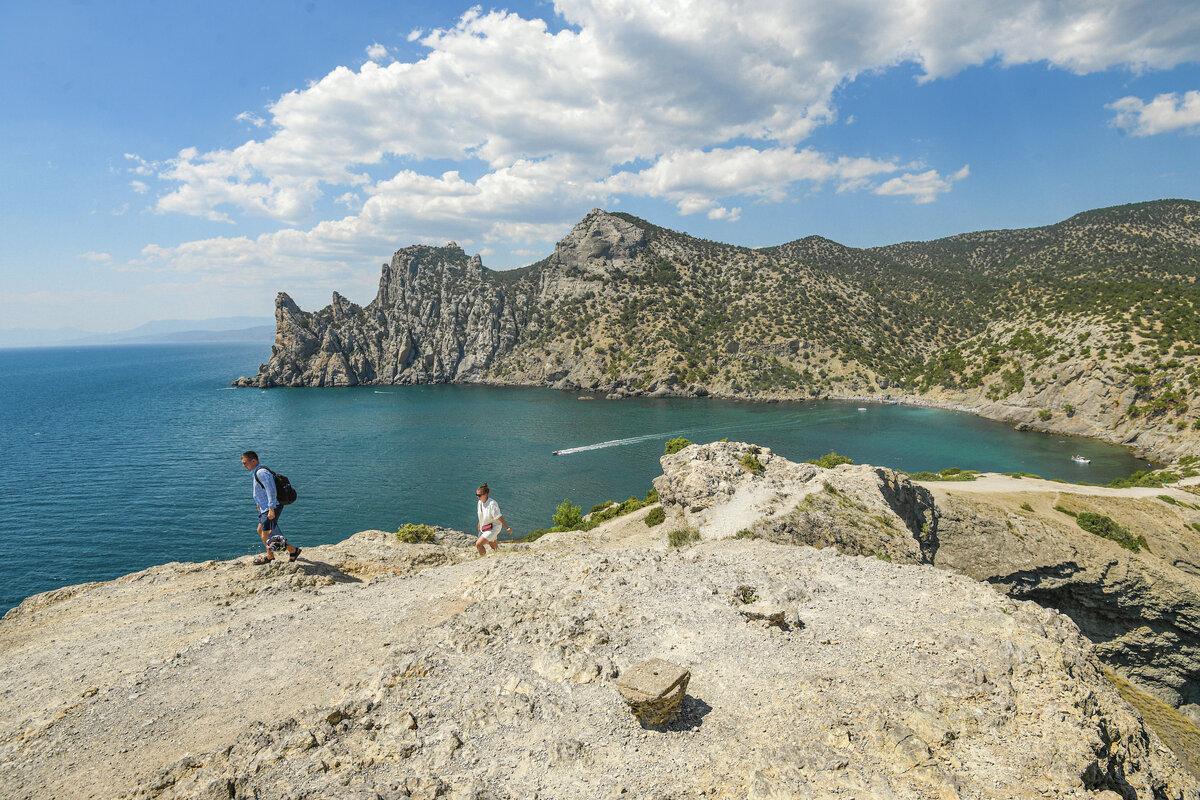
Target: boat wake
pixel 789 422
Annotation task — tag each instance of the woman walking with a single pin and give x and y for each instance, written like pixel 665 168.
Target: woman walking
pixel 490 520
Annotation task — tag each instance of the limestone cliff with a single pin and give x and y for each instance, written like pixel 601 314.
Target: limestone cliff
pixel 1088 326
pixel 1142 609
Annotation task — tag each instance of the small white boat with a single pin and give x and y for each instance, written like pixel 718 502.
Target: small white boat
pixel 1081 460
pixel 860 408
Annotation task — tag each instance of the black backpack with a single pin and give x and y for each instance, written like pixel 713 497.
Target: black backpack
pixel 285 493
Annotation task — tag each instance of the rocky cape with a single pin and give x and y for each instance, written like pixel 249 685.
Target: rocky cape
pixel 1087 327
pixel 378 669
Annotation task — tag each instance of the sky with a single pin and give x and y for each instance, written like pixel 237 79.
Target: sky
pixel 188 160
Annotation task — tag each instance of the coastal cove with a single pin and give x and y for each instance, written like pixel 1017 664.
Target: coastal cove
pixel 120 458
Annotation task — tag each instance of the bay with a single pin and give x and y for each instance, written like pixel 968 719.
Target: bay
pixel 118 458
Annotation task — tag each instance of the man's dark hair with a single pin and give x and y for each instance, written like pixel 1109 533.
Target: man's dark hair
pixel 250 455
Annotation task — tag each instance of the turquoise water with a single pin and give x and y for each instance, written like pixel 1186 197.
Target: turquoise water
pixel 118 458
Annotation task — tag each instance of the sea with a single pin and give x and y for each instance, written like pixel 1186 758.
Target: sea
pixel 118 458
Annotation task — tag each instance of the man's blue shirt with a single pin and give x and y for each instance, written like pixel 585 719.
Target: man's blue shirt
pixel 264 488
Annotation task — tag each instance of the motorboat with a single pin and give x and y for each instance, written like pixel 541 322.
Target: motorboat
pixel 1081 460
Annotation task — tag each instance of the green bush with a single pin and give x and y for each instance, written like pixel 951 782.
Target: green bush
pixel 1044 414
pixel 600 506
pixel 751 463
pixel 414 534
pixel 656 517
pixel 1066 511
pixel 681 536
pixel 1026 506
pixel 746 533
pixel 830 460
pixel 652 496
pixel 1109 529
pixel 1153 480
pixel 1166 498
pixel 675 445
pixel 567 516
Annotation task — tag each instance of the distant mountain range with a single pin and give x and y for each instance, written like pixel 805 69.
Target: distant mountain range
pixel 222 329
pixel 1088 326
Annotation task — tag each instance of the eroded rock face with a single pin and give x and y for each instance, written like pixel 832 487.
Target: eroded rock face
pixel 855 508
pixel 440 316
pixel 1142 610
pixel 496 677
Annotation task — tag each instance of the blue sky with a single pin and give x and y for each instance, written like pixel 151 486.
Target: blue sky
pixel 175 160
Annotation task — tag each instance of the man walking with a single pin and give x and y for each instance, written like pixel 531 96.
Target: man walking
pixel 269 510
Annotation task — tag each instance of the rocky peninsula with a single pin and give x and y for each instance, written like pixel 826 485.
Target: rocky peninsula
pixel 1086 327
pixel 848 632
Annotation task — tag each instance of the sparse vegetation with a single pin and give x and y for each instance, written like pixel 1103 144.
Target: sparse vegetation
pixel 1109 529
pixel 415 534
pixel 675 445
pixel 681 536
pixel 948 474
pixel 656 517
pixel 830 460
pixel 751 463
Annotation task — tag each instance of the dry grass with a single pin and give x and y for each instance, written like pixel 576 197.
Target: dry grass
pixel 1176 731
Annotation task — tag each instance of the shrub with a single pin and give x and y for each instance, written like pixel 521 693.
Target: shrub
pixel 681 536
pixel 745 595
pixel 1153 480
pixel 746 533
pixel 413 534
pixel 1109 529
pixel 830 460
pixel 948 474
pixel 1069 410
pixel 1026 506
pixel 656 517
pixel 600 506
pixel 1066 511
pixel 1166 498
pixel 568 517
pixel 751 463
pixel 652 496
pixel 1044 414
pixel 675 445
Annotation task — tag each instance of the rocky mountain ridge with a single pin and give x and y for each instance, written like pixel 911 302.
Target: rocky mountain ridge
pixel 1088 326
pixel 378 669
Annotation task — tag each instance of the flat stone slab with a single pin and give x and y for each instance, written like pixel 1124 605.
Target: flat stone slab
pixel 654 689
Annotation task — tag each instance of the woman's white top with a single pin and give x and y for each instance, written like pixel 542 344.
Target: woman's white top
pixel 488 512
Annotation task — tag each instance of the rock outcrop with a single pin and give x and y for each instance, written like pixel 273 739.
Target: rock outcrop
pixel 1142 609
pixel 443 675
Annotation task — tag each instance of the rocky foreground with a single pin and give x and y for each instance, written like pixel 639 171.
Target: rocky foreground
pixel 378 669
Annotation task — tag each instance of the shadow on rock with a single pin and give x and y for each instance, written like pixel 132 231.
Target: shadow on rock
pixel 692 711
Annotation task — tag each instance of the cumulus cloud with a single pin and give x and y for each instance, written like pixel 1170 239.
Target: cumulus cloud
pixel 703 104
pixel 923 187
pixel 140 187
pixel 1163 114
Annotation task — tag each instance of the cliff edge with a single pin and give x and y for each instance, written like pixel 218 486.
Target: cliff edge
pixel 375 668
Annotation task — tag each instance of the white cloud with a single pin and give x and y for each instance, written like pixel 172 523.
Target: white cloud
pixel 253 119
pixel 139 186
pixel 715 97
pixel 92 255
pixel 377 52
pixel 1163 114
pixel 923 188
